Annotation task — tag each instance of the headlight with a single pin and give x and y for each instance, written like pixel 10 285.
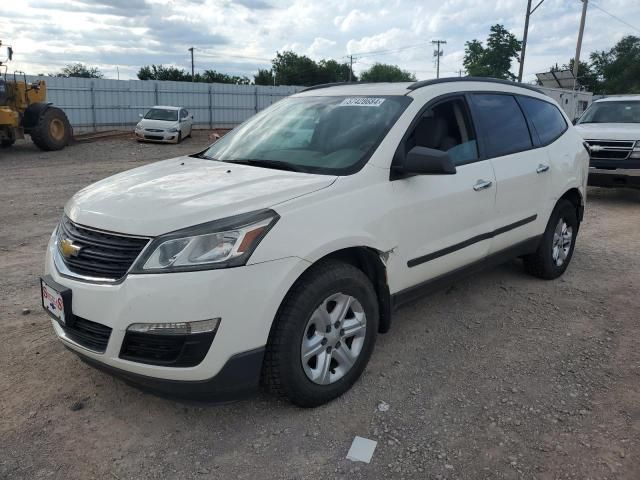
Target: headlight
pixel 636 150
pixel 172 130
pixel 221 244
pixel 138 127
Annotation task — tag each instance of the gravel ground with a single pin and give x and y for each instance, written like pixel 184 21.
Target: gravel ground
pixel 500 376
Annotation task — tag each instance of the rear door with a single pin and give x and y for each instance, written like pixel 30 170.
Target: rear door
pixel 522 172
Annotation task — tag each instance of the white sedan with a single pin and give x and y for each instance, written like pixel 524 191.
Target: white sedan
pixel 164 124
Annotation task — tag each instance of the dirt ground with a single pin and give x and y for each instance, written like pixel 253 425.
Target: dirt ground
pixel 502 376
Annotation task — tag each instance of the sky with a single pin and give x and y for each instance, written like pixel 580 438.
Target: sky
pixel 239 36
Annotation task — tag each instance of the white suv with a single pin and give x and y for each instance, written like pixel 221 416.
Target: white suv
pixel 611 128
pixel 279 253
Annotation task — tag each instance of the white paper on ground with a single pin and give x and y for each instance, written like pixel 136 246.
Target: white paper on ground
pixel 361 450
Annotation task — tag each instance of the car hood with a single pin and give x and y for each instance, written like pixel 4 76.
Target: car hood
pixel 145 123
pixel 609 131
pixel 182 192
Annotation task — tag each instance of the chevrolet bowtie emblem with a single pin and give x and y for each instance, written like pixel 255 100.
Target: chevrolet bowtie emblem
pixel 595 148
pixel 68 249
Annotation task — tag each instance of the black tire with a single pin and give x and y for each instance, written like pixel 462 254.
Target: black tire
pixel 283 372
pixel 7 143
pixel 179 139
pixel 52 131
pixel 541 264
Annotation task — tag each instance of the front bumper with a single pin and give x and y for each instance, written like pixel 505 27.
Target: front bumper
pixel 160 137
pixel 245 298
pixel 614 178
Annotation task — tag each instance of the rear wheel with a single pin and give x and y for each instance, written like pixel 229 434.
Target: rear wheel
pixel 52 131
pixel 324 335
pixel 556 247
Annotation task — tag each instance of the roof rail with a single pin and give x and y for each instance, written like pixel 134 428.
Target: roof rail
pixel 426 83
pixel 334 84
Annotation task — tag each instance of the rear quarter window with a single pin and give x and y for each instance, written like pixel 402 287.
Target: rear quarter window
pixel 546 118
pixel 502 122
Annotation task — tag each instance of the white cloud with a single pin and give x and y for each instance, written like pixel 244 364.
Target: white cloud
pixel 320 48
pixel 238 36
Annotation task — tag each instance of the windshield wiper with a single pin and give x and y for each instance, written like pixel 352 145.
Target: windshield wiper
pixel 275 164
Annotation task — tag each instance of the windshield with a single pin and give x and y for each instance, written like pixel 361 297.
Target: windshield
pixel 330 135
pixel 162 114
pixel 612 112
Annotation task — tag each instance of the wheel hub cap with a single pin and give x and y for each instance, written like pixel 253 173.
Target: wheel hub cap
pixel 333 339
pixel 562 238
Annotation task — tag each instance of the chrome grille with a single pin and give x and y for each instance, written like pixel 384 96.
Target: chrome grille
pixel 101 254
pixel 610 149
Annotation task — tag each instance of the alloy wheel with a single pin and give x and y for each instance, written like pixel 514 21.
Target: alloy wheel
pixel 333 339
pixel 562 238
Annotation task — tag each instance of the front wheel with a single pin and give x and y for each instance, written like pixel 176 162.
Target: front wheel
pixel 556 247
pixel 323 336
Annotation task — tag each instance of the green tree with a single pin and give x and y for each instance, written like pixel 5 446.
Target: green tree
pixel 618 69
pixel 289 68
pixel 382 72
pixel 212 76
pixel 79 70
pixel 263 77
pixel 331 71
pixel 160 72
pixel 495 59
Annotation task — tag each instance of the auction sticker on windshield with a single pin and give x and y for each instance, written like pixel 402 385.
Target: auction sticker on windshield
pixel 362 102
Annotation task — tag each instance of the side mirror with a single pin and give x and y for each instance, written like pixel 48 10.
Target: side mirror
pixel 426 161
pixel 140 115
pixel 191 117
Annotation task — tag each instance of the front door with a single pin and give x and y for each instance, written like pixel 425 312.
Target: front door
pixel 442 220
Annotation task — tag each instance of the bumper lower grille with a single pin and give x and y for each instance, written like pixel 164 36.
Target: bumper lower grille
pixel 98 254
pixel 167 350
pixel 88 334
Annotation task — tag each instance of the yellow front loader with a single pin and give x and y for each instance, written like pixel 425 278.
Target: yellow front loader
pixel 24 110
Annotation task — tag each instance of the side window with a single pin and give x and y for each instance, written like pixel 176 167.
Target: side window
pixel 503 123
pixel 184 113
pixel 546 118
pixel 446 127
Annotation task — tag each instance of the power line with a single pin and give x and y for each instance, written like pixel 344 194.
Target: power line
pixel 595 5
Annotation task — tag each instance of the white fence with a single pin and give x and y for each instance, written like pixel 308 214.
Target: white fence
pixel 95 104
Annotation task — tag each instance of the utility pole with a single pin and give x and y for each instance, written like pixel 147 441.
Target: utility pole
pixel 438 53
pixel 350 67
pixel 576 59
pixel 460 73
pixel 192 67
pixel 525 35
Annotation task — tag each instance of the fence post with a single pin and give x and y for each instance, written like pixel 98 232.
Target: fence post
pixel 256 98
pixel 210 109
pixel 93 108
pixel 155 93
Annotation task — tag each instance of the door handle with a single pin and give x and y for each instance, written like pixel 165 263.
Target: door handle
pixel 542 168
pixel 482 185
